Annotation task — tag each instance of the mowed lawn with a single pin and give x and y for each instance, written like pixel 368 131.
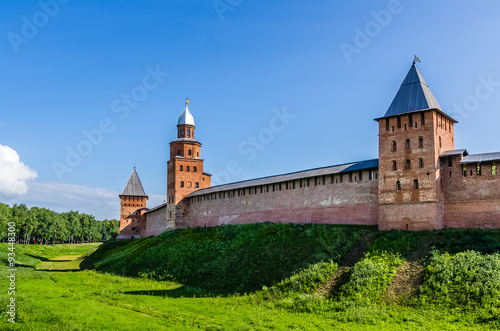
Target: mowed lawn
pixel 52 294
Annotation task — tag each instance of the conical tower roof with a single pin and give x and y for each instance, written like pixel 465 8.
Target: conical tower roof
pixel 134 186
pixel 186 117
pixel 413 95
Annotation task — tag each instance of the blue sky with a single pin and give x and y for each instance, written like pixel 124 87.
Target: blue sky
pixel 68 66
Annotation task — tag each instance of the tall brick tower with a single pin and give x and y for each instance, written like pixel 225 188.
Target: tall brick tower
pixel 412 134
pixel 132 207
pixel 185 167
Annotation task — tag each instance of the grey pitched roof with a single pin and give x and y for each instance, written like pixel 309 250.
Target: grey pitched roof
pixel 454 153
pixel 413 95
pixel 291 176
pixel 134 186
pixel 156 208
pixel 477 158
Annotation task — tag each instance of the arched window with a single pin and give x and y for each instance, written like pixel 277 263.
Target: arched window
pixel 197 154
pixel 420 142
pixel 398 186
pixel 408 145
pixel 196 185
pixel 408 164
pixel 394 146
pixel 188 132
pixel 181 168
pixel 194 169
pixel 187 168
pixel 178 152
pixel 182 184
pixel 421 162
pixel 394 166
pixel 189 152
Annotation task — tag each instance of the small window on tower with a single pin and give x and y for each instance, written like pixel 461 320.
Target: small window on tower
pixel 394 146
pixel 188 132
pixel 398 186
pixel 387 124
pixel 181 168
pixel 394 166
pixel 187 168
pixel 182 184
pixel 196 185
pixel 420 142
pixel 178 152
pixel 182 132
pixel 408 144
pixel 408 164
pixel 450 162
pixel 415 184
pixel 422 118
pixel 189 152
pixel 399 122
pixel 421 163
pixel 194 169
pixel 410 119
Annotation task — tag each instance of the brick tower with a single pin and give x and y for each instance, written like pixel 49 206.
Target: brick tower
pixel 412 134
pixel 132 208
pixel 185 167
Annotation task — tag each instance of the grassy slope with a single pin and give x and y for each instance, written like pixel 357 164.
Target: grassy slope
pixel 297 260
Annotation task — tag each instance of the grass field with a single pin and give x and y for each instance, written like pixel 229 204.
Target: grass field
pixel 53 293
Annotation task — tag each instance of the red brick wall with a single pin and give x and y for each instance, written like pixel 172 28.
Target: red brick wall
pixel 437 134
pixel 332 203
pixel 470 201
pixel 130 216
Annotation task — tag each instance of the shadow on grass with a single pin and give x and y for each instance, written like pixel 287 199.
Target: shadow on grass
pixel 41 258
pixel 180 292
pixel 59 270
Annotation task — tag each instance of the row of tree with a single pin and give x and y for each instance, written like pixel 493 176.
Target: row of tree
pixel 42 226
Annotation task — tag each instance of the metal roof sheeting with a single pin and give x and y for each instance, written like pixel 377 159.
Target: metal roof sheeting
pixel 134 186
pixel 454 153
pixel 186 117
pixel 413 95
pixel 354 166
pixel 478 158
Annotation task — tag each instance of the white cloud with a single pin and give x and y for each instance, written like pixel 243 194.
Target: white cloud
pixel 61 197
pixel 13 173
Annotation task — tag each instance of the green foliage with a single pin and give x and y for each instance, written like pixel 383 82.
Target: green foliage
pixel 396 242
pixel 370 277
pixel 41 225
pixel 229 259
pixel 304 281
pixel 462 279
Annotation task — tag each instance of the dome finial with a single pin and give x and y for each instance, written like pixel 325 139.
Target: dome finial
pixel 186 117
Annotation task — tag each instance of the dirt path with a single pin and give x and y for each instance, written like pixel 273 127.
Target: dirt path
pixel 408 278
pixel 341 275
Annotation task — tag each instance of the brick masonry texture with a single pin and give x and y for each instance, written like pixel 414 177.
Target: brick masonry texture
pixel 415 187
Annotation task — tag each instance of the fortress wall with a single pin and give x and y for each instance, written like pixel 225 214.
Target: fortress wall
pixel 323 200
pixel 472 201
pixel 156 222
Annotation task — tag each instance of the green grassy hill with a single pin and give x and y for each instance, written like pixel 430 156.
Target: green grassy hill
pixel 263 276
pixel 316 264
